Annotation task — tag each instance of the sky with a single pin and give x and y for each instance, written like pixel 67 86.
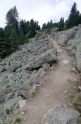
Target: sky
pixel 39 10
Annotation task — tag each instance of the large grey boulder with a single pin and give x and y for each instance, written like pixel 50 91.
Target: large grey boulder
pixel 72 43
pixel 78 57
pixel 59 115
pixel 11 106
pixel 14 67
pixel 37 61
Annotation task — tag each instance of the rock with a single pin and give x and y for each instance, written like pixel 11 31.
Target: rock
pixel 41 72
pixel 60 115
pixel 2 69
pixel 74 70
pixel 46 66
pixel 79 87
pixel 14 67
pixel 22 103
pixel 9 96
pixel 65 91
pixel 72 44
pixel 36 86
pixel 63 37
pixel 78 57
pixel 37 61
pixel 65 62
pixel 34 76
pixel 2 116
pixel 11 106
pixel 23 94
pixel 2 98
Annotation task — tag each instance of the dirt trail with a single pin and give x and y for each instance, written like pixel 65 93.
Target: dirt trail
pixel 53 90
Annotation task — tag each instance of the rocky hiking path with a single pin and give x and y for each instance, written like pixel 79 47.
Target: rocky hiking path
pixel 53 89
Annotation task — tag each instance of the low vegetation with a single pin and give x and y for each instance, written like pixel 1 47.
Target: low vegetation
pixel 33 94
pixel 75 96
pixel 46 31
pixel 17 121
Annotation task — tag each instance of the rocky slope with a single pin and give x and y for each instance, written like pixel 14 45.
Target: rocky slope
pixel 71 40
pixel 21 70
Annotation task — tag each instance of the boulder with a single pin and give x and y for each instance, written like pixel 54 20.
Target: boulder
pixel 1 112
pixel 64 36
pixel 14 67
pixel 37 61
pixel 78 57
pixel 72 43
pixel 11 106
pixel 23 94
pixel 22 103
pixel 46 66
pixel 59 115
pixel 41 72
pixel 34 76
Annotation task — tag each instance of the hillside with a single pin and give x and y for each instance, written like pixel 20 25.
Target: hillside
pixel 46 31
pixel 38 76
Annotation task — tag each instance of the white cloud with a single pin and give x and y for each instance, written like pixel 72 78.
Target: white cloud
pixel 41 10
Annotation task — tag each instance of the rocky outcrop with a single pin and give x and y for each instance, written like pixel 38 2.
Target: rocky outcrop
pixel 63 37
pixel 72 43
pixel 71 40
pixel 59 115
pixel 78 57
pixel 37 61
pixel 21 70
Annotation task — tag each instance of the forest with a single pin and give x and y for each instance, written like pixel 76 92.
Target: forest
pixel 17 32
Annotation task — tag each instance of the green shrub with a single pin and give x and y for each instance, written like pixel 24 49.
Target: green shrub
pixel 33 94
pixel 17 120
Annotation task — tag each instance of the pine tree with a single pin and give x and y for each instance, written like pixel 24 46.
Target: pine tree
pixel 12 18
pixel 61 24
pixel 44 26
pixel 21 38
pixel 3 45
pixel 13 39
pixel 73 16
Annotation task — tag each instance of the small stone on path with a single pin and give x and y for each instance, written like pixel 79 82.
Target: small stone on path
pixel 22 103
pixel 65 91
pixel 65 62
pixel 79 87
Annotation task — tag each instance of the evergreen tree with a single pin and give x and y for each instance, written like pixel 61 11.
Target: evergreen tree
pixel 61 24
pixel 13 39
pixel 21 38
pixel 32 31
pixel 73 17
pixel 3 45
pixel 80 19
pixel 7 32
pixel 66 24
pixel 44 26
pixel 37 27
pixel 55 25
pixel 12 18
pixel 24 26
pixel 49 24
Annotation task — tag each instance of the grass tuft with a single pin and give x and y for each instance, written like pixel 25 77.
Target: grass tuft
pixel 33 94
pixel 17 120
